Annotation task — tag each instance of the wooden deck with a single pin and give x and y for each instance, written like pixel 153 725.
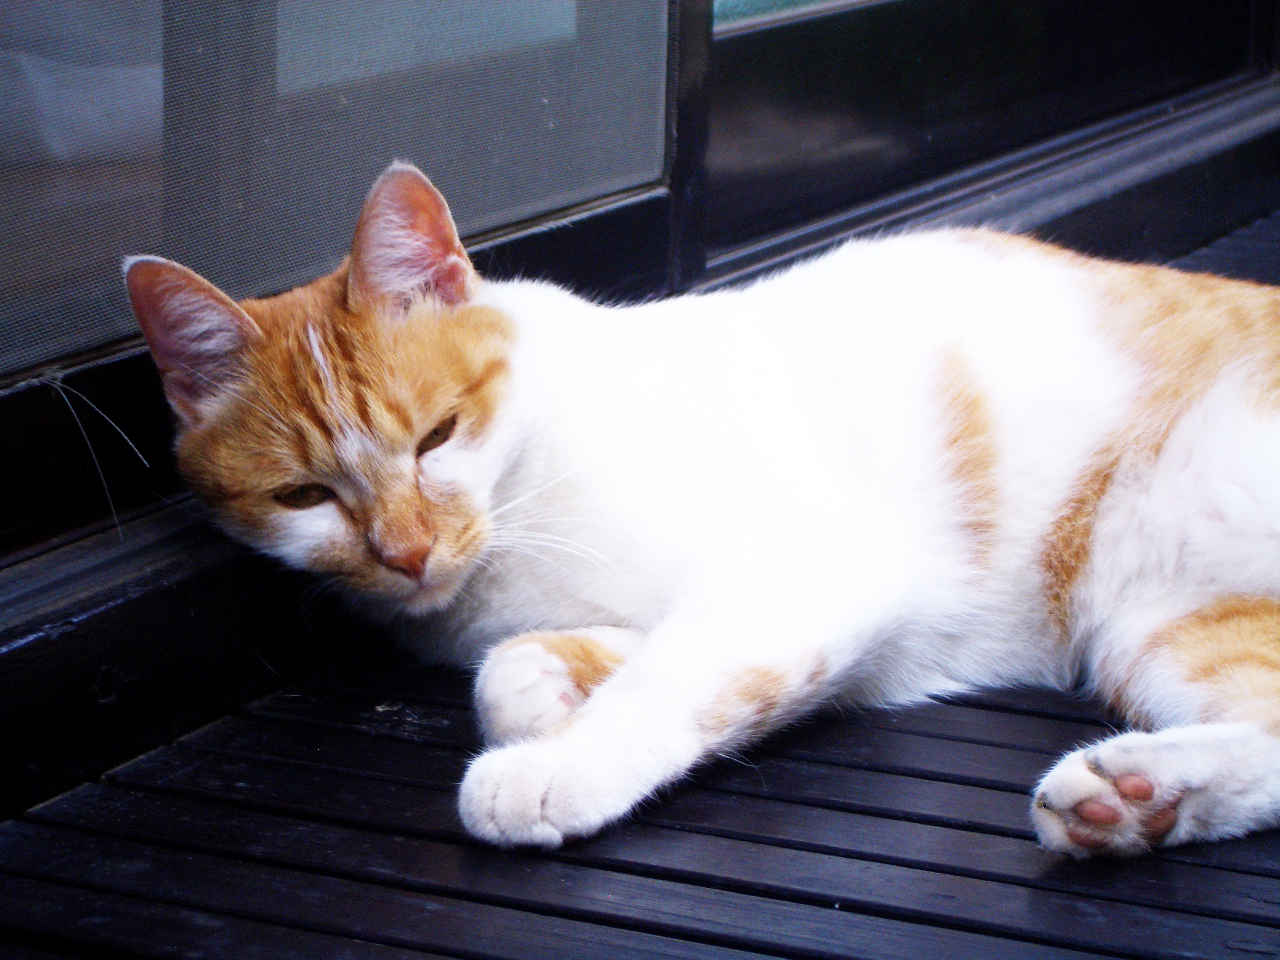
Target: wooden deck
pixel 320 824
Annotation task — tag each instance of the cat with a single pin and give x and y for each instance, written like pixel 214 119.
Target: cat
pixel 909 467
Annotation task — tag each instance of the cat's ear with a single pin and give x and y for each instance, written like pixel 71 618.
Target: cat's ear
pixel 406 244
pixel 195 331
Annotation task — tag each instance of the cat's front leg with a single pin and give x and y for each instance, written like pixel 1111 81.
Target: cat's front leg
pixel 1136 791
pixel 674 703
pixel 531 684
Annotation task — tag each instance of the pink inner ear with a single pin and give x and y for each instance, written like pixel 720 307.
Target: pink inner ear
pixel 194 330
pixel 406 243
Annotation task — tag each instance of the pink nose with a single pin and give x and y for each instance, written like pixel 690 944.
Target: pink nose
pixel 410 562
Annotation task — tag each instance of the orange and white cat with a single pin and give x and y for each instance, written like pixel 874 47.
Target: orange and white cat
pixel 909 467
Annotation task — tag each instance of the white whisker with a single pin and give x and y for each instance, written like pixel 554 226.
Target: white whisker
pixel 512 548
pixel 96 465
pixel 599 560
pixel 532 493
pixel 550 539
pixel 57 382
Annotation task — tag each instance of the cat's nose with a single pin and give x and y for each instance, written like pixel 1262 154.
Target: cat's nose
pixel 410 562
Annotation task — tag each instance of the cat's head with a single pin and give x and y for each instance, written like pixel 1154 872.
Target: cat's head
pixel 349 426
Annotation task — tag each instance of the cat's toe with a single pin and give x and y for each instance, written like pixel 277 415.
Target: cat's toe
pixel 501 800
pixel 536 794
pixel 524 691
pixel 1081 808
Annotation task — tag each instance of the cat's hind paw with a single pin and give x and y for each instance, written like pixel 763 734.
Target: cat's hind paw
pixel 1086 806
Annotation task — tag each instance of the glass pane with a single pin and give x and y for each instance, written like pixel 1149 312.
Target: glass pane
pixel 821 113
pixel 240 137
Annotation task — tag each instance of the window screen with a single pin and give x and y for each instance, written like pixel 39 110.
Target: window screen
pixel 239 137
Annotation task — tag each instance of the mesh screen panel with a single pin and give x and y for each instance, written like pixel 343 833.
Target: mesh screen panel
pixel 239 137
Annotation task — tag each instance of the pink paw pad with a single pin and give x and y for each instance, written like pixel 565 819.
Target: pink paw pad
pixel 1133 787
pixel 1096 816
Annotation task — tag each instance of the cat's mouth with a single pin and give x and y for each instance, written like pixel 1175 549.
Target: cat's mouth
pixel 436 589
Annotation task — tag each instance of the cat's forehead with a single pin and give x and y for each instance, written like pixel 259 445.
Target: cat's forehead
pixel 362 380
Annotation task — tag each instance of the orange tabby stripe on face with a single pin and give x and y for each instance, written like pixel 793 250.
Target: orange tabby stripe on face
pixel 970 450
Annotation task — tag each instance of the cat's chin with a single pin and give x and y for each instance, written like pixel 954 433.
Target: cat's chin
pixel 431 596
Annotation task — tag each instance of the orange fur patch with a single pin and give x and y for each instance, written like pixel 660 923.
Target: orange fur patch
pixel 588 662
pixel 817 675
pixel 970 450
pixel 751 699
pixel 1067 545
pixel 1232 647
pixel 1182 332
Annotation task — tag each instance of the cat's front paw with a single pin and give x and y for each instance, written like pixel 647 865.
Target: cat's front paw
pixel 1103 800
pixel 523 691
pixel 537 794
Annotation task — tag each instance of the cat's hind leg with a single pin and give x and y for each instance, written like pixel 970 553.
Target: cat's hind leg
pixel 1210 683
pixel 534 682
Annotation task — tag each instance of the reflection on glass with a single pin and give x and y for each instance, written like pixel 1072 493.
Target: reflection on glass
pixel 337 41
pixel 239 136
pixel 733 11
pixel 81 84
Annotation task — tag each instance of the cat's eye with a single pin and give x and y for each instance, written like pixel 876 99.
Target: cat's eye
pixel 441 432
pixel 303 496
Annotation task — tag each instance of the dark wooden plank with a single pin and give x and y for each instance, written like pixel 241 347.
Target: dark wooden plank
pixel 951 721
pixel 1258 853
pixel 294 788
pixel 1152 881
pixel 14 951
pixel 826 741
pixel 394 759
pixel 414 683
pixel 746 921
pixel 885 795
pixel 422 684
pixel 864 791
pixel 106 924
pixel 982 905
pixel 870 748
pixel 1041 702
pixel 435 685
pixel 950 805
pixel 873 792
pixel 867 790
pixel 1072 921
pixel 371 714
pixel 333 905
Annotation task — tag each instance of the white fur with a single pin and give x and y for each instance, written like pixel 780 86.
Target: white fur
pixel 756 480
